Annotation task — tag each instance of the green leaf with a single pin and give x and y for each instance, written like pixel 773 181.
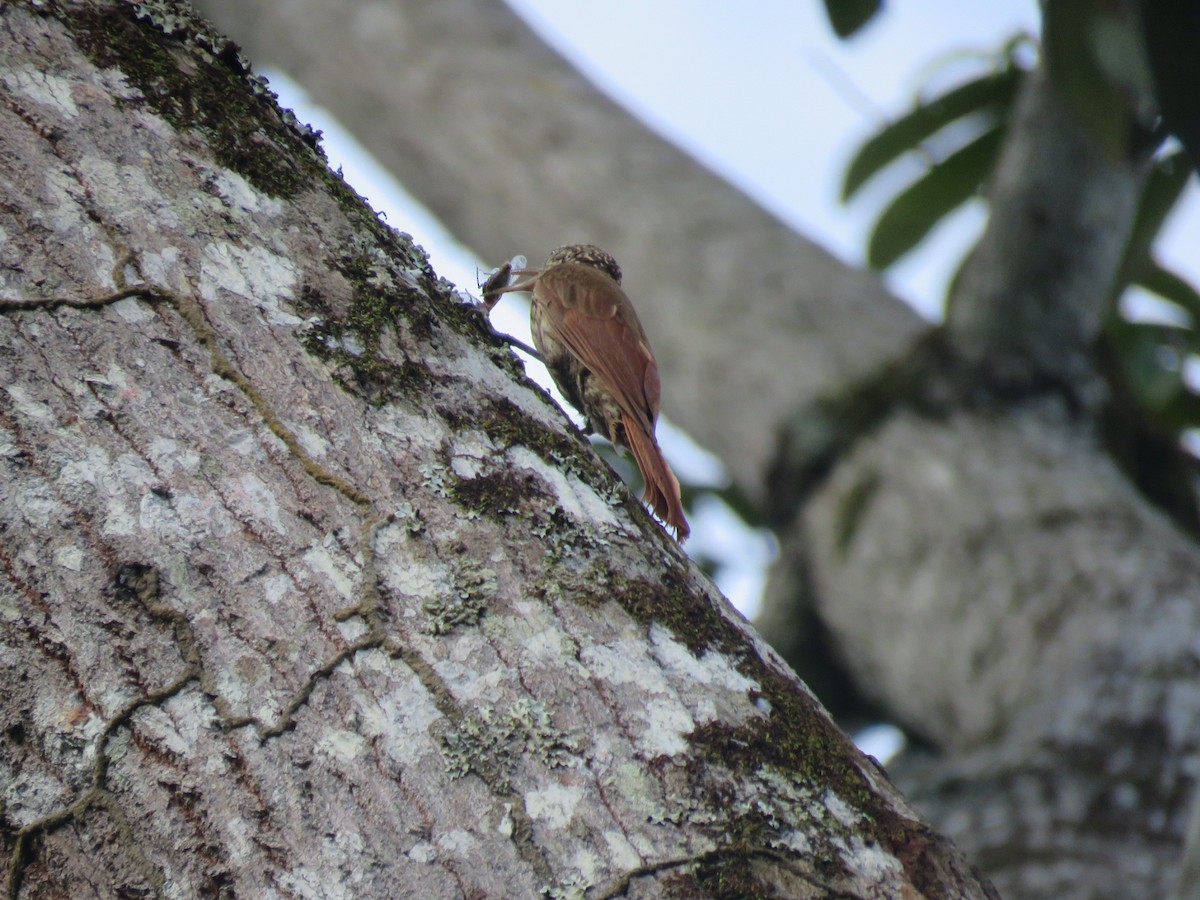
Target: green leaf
pixel 847 16
pixel 1181 411
pixel 1156 279
pixel 1152 355
pixel 993 93
pixel 1166 181
pixel 945 187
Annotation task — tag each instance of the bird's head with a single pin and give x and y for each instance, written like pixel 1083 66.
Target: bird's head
pixel 587 255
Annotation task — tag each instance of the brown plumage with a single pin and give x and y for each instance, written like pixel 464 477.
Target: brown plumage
pixel 587 333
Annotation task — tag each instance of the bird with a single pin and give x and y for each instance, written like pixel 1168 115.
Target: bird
pixel 587 333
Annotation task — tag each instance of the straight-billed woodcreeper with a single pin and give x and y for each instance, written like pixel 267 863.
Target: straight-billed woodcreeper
pixel 587 333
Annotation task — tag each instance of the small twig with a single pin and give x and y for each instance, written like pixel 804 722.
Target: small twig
pixel 143 290
pixel 519 344
pixel 621 885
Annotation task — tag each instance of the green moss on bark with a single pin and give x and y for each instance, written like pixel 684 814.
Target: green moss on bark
pixel 208 88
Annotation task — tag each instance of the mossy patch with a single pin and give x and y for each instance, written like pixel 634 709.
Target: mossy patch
pixel 360 368
pixel 507 424
pixel 358 341
pixel 730 878
pixel 210 89
pixel 699 628
pixel 498 494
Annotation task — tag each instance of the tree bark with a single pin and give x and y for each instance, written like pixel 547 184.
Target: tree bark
pixel 305 589
pixel 982 567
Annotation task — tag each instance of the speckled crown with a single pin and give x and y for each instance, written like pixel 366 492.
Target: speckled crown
pixel 587 255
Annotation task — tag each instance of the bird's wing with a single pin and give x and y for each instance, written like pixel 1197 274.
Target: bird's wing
pixel 601 328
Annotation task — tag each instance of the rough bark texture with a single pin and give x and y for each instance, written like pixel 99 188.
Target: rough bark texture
pixel 517 152
pixel 304 589
pixel 983 568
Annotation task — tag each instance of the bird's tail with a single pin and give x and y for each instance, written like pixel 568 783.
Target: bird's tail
pixel 662 488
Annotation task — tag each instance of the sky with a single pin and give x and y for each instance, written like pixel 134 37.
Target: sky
pixel 764 94
pixel 767 96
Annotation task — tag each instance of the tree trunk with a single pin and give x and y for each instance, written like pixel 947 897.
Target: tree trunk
pixel 306 589
pixel 981 566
